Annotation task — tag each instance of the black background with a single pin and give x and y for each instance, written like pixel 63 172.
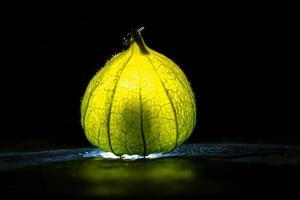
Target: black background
pixel 238 63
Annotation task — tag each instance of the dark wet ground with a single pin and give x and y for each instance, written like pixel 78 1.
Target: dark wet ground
pixel 193 170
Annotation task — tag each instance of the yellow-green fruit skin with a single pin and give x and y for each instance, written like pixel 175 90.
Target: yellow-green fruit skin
pixel 138 104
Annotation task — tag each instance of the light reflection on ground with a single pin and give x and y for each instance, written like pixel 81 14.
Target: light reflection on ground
pixel 191 169
pixel 102 154
pixel 117 177
pixel 15 160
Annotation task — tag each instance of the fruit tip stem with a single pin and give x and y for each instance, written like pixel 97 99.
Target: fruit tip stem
pixel 136 36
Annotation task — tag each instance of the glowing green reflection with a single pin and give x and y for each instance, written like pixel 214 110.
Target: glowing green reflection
pixel 118 177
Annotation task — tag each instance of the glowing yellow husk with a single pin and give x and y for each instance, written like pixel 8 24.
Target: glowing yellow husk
pixel 140 102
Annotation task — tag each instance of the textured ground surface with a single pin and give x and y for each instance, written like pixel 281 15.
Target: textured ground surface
pixel 192 170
